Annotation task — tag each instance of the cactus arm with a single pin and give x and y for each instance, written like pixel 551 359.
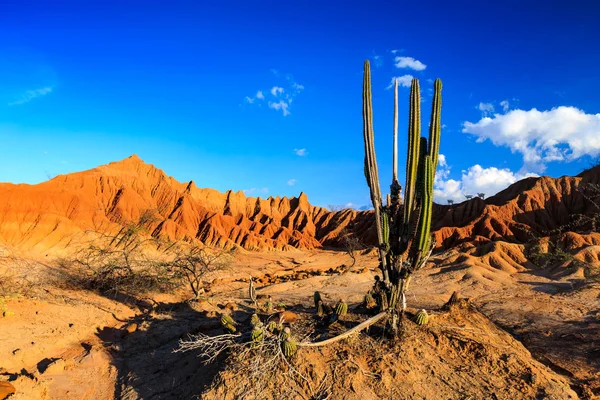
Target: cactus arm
pixel 412 159
pixel 435 124
pixel 371 172
pixel 395 143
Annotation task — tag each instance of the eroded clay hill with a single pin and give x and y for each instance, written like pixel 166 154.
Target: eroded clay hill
pixel 66 210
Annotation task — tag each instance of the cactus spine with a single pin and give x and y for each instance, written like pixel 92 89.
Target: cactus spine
pixel 421 318
pixel 403 228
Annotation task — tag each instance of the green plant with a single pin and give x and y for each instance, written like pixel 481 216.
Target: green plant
pixel 403 227
pixel 421 318
pixel 228 323
pixel 257 335
pixel 370 300
pixel 341 308
pixel 289 347
pixel 317 298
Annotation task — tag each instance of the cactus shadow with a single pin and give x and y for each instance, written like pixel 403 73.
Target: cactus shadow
pixel 146 364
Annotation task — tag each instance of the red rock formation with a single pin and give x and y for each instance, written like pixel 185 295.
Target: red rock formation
pixel 69 208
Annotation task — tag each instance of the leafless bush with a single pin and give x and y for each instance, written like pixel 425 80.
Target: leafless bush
pixel 352 244
pixel 262 364
pixel 193 264
pixel 126 262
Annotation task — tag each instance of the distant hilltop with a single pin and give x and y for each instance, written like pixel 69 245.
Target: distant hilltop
pixel 56 214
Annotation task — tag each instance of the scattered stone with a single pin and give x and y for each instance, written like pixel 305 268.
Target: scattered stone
pixel 6 390
pixel 15 351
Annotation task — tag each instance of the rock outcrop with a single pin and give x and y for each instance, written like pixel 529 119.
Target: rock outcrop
pixel 69 209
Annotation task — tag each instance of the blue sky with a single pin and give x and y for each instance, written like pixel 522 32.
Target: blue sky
pixel 83 83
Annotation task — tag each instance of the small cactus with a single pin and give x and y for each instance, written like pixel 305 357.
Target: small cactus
pixel 268 306
pixel 273 327
pixel 281 305
pixel 255 320
pixel 228 323
pixel 341 308
pixel 421 318
pixel 286 333
pixel 370 300
pixel 289 347
pixel 317 298
pixel 257 335
pixel 252 291
pixel 320 308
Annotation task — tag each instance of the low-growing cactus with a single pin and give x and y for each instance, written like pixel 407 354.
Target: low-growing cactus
pixel 341 308
pixel 257 335
pixel 370 300
pixel 273 327
pixel 286 333
pixel 281 305
pixel 228 323
pixel 289 347
pixel 254 320
pixel 421 318
pixel 317 298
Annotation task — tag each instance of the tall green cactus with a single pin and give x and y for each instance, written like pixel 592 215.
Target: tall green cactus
pixel 404 230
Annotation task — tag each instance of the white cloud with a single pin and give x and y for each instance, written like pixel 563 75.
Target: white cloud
pixel 394 51
pixel 259 191
pixel 505 105
pixel 404 80
pixel 284 95
pixel 486 109
pixel 276 90
pixel 300 152
pixel 291 182
pixel 378 61
pixel 561 134
pixel 280 105
pixel 409 62
pixel 474 180
pixel 30 95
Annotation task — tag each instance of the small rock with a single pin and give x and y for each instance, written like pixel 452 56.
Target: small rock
pixel 6 390
pixel 15 351
pixel 57 366
pixel 8 314
pixel 231 306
